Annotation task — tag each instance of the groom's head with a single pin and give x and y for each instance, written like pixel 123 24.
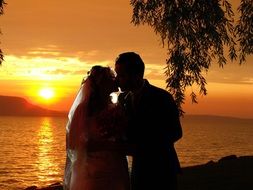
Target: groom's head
pixel 130 70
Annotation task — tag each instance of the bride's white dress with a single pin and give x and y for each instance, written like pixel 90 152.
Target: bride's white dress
pixel 95 160
pixel 100 169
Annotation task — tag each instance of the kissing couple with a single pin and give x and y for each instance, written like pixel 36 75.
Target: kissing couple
pixel 143 124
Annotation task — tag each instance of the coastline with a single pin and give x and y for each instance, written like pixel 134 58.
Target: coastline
pixel 228 173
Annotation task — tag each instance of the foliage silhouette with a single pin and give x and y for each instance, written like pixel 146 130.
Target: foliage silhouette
pixel 196 33
pixel 1 12
pixel 244 29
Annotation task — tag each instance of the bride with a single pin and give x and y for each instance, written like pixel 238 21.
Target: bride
pixel 94 137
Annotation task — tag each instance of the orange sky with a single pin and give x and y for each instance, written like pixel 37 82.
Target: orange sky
pixel 52 44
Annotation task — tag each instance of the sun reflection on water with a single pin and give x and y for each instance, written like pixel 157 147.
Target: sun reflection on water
pixel 45 163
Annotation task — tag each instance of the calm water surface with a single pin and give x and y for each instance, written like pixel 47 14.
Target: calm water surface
pixel 208 138
pixel 32 151
pixel 33 148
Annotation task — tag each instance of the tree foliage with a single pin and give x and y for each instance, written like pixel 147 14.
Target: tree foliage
pixel 1 12
pixel 244 29
pixel 195 33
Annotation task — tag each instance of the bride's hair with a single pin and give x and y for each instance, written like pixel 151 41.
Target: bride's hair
pixel 93 83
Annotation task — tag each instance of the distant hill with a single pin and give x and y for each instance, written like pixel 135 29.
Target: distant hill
pixel 17 106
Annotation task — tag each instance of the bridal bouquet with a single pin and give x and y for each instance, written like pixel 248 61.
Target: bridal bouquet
pixel 112 123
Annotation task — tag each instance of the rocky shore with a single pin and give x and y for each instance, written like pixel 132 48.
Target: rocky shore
pixel 228 173
pixel 55 186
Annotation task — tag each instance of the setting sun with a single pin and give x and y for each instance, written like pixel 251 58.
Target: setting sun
pixel 46 93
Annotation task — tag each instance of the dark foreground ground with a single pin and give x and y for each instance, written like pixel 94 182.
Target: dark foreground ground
pixel 229 173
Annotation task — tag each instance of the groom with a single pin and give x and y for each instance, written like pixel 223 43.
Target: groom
pixel 153 126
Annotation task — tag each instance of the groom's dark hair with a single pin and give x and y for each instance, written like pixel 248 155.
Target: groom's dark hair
pixel 133 63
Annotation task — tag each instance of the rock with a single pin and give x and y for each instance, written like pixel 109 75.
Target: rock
pixel 31 188
pixel 229 173
pixel 210 162
pixel 230 157
pixel 55 186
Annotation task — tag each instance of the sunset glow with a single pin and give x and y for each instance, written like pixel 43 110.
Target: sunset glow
pixel 46 93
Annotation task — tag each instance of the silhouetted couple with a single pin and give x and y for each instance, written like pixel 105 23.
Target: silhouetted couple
pixel 144 123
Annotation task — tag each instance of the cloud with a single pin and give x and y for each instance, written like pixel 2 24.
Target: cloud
pixel 48 51
pixel 46 68
pixel 232 73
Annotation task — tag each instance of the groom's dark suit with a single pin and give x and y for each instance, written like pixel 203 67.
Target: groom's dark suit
pixel 154 127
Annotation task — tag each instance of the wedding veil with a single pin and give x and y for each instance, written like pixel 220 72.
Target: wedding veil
pixel 70 154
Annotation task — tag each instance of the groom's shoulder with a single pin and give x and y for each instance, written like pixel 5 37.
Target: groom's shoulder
pixel 158 90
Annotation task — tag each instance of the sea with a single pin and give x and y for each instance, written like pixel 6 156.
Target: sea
pixel 32 149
